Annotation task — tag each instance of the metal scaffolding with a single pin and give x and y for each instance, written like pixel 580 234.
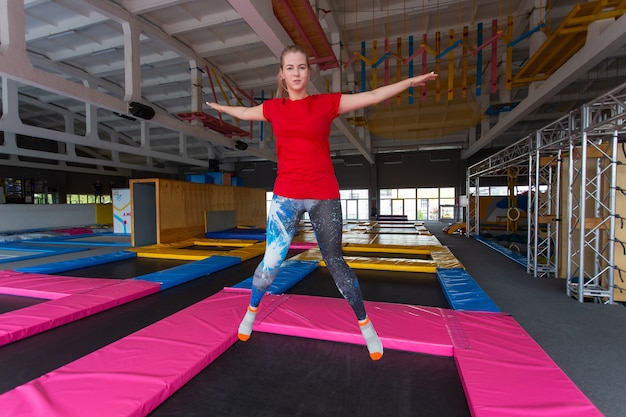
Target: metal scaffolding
pixel 593 183
pixel 585 142
pixel 544 208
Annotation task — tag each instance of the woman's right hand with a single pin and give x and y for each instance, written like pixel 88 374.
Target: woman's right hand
pixel 214 106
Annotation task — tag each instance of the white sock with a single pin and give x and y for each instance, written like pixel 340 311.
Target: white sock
pixel 245 328
pixel 374 346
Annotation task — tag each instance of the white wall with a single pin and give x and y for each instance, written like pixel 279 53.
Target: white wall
pixel 18 217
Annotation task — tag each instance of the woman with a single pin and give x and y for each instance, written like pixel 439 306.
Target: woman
pixel 306 179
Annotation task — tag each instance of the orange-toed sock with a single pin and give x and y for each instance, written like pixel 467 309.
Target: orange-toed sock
pixel 245 328
pixel 374 346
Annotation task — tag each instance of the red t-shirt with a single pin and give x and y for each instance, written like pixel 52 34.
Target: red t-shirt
pixel 302 128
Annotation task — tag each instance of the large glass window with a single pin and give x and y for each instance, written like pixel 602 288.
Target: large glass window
pixel 43 198
pixel 268 201
pixel 87 199
pixel 503 190
pixel 354 204
pixel 429 201
pixel 416 203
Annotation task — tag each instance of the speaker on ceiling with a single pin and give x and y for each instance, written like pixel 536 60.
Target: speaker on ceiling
pixel 124 116
pixel 214 165
pixel 140 110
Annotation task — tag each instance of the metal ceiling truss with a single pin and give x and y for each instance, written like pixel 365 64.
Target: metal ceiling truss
pixel 108 53
pixel 498 163
pixel 18 66
pixel 106 153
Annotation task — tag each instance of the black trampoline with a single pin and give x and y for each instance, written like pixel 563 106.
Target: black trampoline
pixel 273 375
pixel 387 286
pixel 211 248
pixel 16 302
pixel 374 254
pixel 123 269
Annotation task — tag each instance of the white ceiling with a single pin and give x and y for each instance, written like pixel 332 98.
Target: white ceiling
pixel 84 60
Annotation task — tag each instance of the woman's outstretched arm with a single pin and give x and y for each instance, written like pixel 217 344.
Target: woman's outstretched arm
pixel 351 102
pixel 254 113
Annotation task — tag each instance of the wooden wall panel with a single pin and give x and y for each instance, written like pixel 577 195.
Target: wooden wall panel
pixel 250 206
pixel 181 206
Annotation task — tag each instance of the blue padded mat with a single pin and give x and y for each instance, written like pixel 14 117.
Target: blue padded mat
pixel 19 252
pixel 289 274
pixel 237 233
pixel 62 266
pixel 184 273
pixel 462 292
pixel 97 239
pixel 512 255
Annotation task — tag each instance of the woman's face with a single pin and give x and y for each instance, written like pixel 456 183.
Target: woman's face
pixel 295 71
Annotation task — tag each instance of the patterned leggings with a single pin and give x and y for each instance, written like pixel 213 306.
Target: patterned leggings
pixel 282 224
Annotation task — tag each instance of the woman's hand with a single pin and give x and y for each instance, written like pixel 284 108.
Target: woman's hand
pixel 422 79
pixel 214 106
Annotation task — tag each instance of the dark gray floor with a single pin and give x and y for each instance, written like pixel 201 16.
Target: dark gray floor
pixel 586 340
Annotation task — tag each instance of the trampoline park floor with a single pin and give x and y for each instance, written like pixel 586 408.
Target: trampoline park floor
pixel 114 337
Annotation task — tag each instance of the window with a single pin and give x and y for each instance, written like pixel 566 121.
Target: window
pixel 43 198
pixel 416 203
pixel 354 204
pixel 268 201
pixel 87 199
pixel 503 190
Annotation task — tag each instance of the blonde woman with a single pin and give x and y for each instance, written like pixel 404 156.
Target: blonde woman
pixel 306 179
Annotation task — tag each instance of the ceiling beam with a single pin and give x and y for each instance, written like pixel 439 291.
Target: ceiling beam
pixel 201 23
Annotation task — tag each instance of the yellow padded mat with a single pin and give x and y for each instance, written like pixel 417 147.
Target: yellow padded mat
pixel 441 257
pixel 245 249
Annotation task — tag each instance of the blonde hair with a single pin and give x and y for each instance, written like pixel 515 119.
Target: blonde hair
pixel 281 90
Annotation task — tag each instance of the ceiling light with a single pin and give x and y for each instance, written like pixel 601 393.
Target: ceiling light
pixel 103 51
pixel 441 147
pixel 397 150
pixel 60 34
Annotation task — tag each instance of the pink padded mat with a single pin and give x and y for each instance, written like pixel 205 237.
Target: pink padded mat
pixel 504 372
pixel 69 299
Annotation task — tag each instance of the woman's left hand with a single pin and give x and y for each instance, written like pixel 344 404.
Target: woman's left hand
pixel 422 79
